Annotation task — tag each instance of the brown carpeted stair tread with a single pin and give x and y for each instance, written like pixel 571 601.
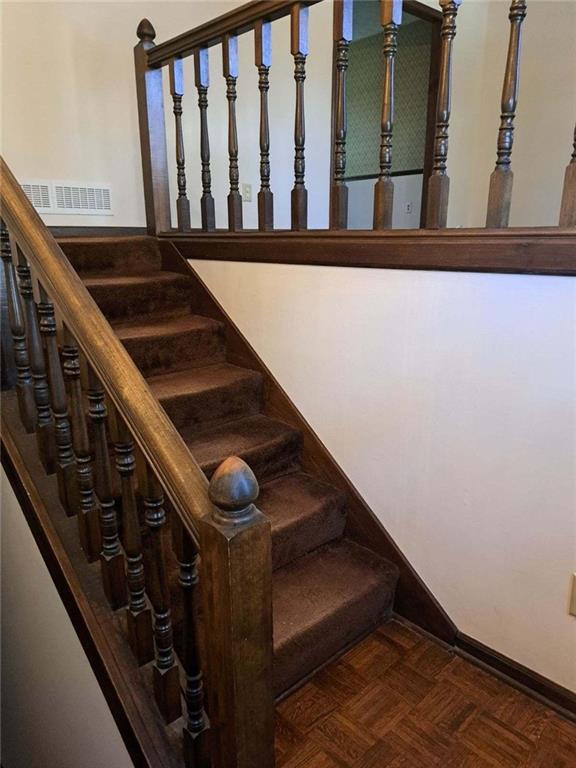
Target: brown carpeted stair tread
pixel 173 344
pixel 214 393
pixel 118 254
pixel 270 447
pixel 120 296
pixel 305 513
pixel 323 602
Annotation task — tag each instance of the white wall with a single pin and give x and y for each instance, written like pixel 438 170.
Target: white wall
pixel 69 108
pixel 54 714
pixel 407 192
pixel 449 400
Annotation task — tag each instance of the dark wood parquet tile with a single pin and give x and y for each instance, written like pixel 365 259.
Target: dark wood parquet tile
pixel 307 707
pixel 447 707
pixel 342 738
pixel 497 743
pixel 378 708
pixel 400 700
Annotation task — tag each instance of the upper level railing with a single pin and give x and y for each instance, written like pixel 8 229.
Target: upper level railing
pixel 257 17
pixel 80 392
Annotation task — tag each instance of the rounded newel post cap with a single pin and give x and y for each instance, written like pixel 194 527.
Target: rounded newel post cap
pixel 145 31
pixel 233 489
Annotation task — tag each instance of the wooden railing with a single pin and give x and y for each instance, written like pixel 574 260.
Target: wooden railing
pixel 257 17
pixel 79 390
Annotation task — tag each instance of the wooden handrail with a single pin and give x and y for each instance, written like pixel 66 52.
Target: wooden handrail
pixel 237 21
pixel 158 439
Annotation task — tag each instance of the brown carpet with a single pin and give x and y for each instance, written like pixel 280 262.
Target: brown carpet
pixel 328 591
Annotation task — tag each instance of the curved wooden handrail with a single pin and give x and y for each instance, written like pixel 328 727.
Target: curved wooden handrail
pixel 237 21
pixel 158 439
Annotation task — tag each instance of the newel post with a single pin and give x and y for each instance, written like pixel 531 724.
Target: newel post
pixel 235 542
pixel 152 133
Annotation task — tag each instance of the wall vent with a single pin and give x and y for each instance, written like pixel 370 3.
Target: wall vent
pixel 68 197
pixel 82 198
pixel 40 195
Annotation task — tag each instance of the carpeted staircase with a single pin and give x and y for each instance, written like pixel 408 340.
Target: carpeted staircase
pixel 328 591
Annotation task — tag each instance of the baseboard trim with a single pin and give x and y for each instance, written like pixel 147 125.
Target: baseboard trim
pixel 98 231
pixel 526 680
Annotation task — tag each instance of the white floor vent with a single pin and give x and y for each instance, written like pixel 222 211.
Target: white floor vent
pixel 69 197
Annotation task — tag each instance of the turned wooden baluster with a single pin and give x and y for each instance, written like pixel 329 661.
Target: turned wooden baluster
pixel 138 614
pixel 230 66
pixel 299 50
pixel 236 569
pixel 202 78
pixel 24 382
pixel 89 510
pixel 390 18
pixel 65 459
pixel 45 439
pixel 339 189
pixel 501 180
pixel 195 731
pixel 177 91
pixel 166 674
pixel 568 204
pixel 439 182
pixel 263 46
pixel 111 556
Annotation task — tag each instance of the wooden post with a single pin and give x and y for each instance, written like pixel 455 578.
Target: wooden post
pixel 501 180
pixel 390 18
pixel 195 733
pixel 202 79
pixel 138 615
pixel 236 573
pixel 568 204
pixel 89 511
pixel 299 50
pixel 230 68
pixel 177 91
pixel 439 183
pixel 263 57
pixel 166 675
pixel 152 134
pixel 66 460
pixel 342 35
pixel 45 440
pixel 24 383
pixel 111 557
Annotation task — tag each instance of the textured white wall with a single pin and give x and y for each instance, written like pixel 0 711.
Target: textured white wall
pixel 54 714
pixel 450 402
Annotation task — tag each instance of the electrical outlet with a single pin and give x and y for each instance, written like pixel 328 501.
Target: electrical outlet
pixel 408 208
pixel 572 608
pixel 247 193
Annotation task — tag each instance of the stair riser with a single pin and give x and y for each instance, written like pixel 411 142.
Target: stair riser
pixel 123 302
pixel 329 638
pixel 162 354
pixel 208 408
pixel 307 535
pixel 122 257
pixel 268 463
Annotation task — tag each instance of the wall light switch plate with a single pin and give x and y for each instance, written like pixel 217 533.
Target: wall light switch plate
pixel 572 608
pixel 247 193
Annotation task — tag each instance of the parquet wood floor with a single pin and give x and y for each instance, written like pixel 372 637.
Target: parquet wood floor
pixel 399 700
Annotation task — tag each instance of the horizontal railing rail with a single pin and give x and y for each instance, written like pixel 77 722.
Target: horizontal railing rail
pixel 238 21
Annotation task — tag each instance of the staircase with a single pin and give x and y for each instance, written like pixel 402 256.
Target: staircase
pixel 328 591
